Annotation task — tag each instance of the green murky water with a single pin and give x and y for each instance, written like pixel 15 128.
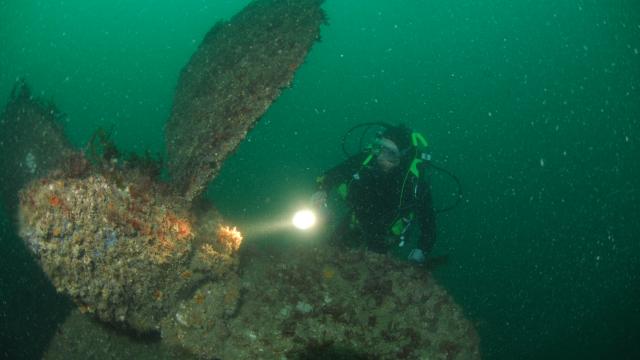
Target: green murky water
pixel 535 105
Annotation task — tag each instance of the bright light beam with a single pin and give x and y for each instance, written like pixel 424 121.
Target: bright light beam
pixel 304 219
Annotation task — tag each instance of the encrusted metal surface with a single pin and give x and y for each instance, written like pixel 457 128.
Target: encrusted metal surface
pixel 239 69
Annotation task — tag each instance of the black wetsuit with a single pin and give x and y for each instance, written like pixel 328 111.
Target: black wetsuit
pixel 374 199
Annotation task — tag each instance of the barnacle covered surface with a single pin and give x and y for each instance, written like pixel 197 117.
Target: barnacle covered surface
pixel 304 301
pixel 316 302
pixel 239 69
pixel 125 247
pixel 119 246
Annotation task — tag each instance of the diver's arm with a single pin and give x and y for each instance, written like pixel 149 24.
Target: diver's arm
pixel 340 173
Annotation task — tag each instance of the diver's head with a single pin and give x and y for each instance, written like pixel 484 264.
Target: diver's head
pixel 392 147
pixel 387 154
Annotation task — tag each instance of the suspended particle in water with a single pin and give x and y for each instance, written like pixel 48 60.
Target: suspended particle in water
pixel 541 162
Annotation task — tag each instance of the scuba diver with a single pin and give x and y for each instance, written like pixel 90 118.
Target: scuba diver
pixel 390 208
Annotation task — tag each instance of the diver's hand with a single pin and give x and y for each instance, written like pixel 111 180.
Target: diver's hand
pixel 319 199
pixel 417 256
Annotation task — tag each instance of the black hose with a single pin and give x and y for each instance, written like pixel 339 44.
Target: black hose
pixel 458 184
pixel 368 125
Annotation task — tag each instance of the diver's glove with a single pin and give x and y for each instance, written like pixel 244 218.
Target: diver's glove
pixel 319 199
pixel 417 256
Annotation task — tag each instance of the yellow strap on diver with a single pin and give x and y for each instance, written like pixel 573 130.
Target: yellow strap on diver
pixel 414 167
pixel 418 141
pixel 417 137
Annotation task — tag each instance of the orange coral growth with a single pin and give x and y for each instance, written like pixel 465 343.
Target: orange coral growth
pixel 54 201
pixel 170 229
pixel 182 227
pixel 229 238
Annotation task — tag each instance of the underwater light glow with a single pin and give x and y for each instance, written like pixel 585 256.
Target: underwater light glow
pixel 304 219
